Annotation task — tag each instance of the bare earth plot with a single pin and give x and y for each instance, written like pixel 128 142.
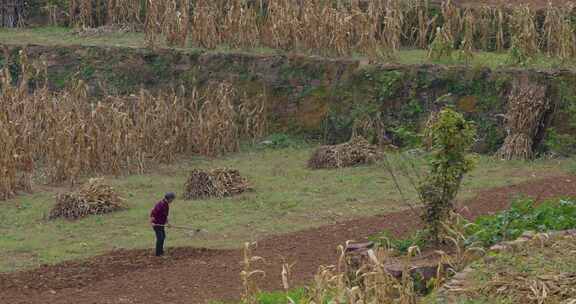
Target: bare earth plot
pixel 199 275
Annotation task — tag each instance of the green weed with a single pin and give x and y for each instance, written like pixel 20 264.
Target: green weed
pixel 524 215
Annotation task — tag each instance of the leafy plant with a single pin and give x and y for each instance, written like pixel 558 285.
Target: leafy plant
pixel 385 239
pixel 450 137
pixel 407 137
pixel 524 215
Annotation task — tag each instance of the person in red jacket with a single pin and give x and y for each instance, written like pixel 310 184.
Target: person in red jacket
pixel 159 220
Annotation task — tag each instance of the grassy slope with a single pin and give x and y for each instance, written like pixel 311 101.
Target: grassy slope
pixel 64 36
pixel 287 197
pixel 515 270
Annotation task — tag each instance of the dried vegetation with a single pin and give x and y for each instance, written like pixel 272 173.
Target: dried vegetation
pixel 539 271
pixel 357 151
pixel 113 135
pixel 93 198
pixel 528 105
pixel 376 29
pixel 216 183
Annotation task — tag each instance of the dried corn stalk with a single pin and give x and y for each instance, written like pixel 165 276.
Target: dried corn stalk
pixel 216 183
pixel 356 152
pixel 93 198
pixel 113 135
pixel 527 106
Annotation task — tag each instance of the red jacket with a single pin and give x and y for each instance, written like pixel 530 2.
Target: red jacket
pixel 159 213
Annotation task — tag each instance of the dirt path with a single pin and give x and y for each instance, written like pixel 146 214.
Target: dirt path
pixel 192 275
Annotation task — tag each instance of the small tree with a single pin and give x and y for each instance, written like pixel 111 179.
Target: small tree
pixel 450 137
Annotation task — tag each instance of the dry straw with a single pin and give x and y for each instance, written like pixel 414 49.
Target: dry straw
pixel 528 104
pixel 216 183
pixel 93 198
pixel 113 135
pixel 375 29
pixel 356 152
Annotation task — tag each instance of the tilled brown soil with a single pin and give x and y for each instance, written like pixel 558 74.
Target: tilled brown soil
pixel 191 275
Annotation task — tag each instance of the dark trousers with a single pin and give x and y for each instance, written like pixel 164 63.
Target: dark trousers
pixel 160 237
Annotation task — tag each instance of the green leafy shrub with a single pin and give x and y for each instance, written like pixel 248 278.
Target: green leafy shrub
pixel 450 137
pixel 524 215
pixel 406 138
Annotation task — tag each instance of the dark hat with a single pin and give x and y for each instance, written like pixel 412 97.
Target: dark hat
pixel 170 196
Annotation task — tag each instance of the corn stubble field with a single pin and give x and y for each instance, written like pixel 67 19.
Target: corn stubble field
pixel 375 29
pixel 116 135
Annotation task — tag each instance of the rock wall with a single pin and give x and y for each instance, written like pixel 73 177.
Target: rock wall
pixel 317 96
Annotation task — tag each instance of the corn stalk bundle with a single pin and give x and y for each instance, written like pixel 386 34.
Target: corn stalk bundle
pixel 356 152
pixel 216 183
pixel 527 106
pixel 93 198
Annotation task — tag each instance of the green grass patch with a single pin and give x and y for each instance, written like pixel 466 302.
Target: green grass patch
pixel 278 297
pixel 288 197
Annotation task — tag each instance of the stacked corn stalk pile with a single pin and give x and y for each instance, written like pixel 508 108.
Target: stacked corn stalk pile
pixel 93 198
pixel 527 106
pixel 357 151
pixel 218 183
